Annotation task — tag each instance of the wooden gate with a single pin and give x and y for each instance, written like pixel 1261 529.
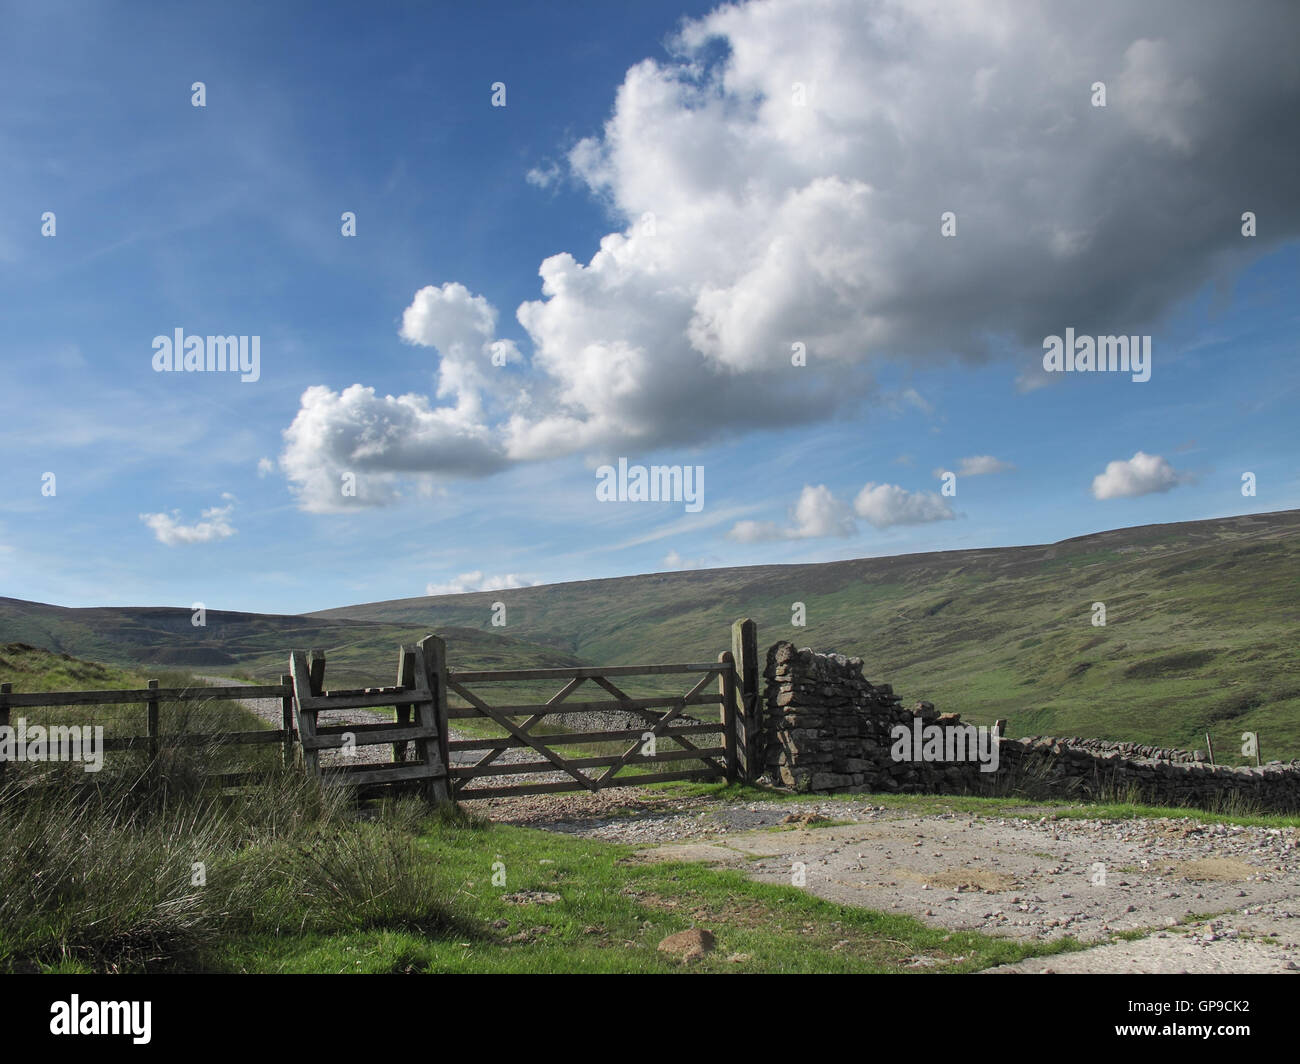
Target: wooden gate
pixel 663 724
pixel 418 670
pixel 509 740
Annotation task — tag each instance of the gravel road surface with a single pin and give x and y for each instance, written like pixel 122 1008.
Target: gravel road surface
pixel 1202 897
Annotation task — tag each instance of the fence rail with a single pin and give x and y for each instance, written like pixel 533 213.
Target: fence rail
pixel 155 738
pixel 423 689
pixel 152 694
pixel 554 747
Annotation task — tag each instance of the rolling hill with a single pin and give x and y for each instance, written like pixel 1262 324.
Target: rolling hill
pixel 1201 629
pixel 1202 620
pixel 252 644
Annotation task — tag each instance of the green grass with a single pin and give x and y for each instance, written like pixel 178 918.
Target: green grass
pixel 611 915
pixel 978 805
pixel 100 877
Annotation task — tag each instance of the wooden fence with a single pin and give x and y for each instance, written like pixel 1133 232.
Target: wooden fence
pixel 152 698
pixel 425 686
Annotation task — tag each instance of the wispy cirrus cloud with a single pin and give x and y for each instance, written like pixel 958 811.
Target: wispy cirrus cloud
pixel 476 581
pixel 977 466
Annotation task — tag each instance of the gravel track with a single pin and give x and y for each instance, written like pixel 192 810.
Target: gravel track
pixel 1203 897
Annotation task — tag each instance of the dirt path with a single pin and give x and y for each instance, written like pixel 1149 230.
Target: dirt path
pixel 1200 897
pixel 1037 879
pixel 1044 879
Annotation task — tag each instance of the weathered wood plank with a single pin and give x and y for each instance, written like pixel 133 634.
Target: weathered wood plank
pixel 162 694
pixel 431 681
pixel 286 718
pixel 465 794
pixel 151 721
pixel 356 776
pixel 6 693
pixel 589 671
pixel 316 672
pixel 505 723
pixel 579 738
pixel 527 725
pixel 143 742
pixel 727 689
pixel 306 711
pixel 526 768
pixel 604 706
pixel 334 737
pixel 375 701
pixel 744 652
pixel 357 691
pixel 405 680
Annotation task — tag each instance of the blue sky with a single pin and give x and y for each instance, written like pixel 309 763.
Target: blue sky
pixel 763 175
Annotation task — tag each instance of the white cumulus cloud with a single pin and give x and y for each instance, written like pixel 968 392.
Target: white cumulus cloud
pixel 816 514
pixel 1143 474
pixel 780 180
pixel 378 439
pixel 886 505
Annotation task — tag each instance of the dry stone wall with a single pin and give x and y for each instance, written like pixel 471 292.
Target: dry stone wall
pixel 825 727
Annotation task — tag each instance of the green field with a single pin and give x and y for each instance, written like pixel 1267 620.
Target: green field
pixel 252 645
pixel 1200 629
pixel 1200 633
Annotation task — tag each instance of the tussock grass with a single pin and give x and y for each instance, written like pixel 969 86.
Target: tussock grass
pixel 143 867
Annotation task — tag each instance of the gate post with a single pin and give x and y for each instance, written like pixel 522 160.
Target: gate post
pixel 744 651
pixel 6 689
pixel 727 689
pixel 286 718
pixel 151 722
pixel 435 668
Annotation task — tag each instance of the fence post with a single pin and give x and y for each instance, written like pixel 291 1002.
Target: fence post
pixel 405 679
pixel 727 689
pixel 286 717
pixel 6 689
pixel 435 665
pixel 152 723
pixel 744 651
pixel 317 672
